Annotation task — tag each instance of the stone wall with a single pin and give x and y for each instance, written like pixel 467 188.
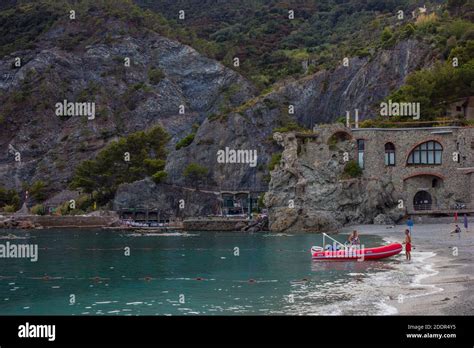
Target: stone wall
pixel 214 224
pixel 453 178
pixel 471 188
pixel 49 221
pixel 309 190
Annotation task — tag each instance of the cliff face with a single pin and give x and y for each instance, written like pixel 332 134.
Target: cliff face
pixel 327 95
pixel 171 200
pixel 322 97
pixel 310 192
pixel 220 103
pixel 126 98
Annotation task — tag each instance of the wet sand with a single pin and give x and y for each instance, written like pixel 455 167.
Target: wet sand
pixel 442 266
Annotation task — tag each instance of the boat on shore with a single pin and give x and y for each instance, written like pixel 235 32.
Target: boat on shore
pixel 341 252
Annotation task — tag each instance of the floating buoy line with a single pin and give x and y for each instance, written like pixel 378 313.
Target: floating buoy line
pixel 97 279
pixel 149 249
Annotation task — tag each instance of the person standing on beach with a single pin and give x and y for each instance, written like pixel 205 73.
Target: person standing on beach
pixel 407 243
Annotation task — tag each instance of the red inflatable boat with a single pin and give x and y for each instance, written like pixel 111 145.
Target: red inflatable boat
pixel 354 253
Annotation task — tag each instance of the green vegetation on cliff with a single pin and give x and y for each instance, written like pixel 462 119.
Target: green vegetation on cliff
pixel 9 199
pixel 271 46
pixel 129 159
pixel 155 75
pixel 351 170
pixel 186 141
pixel 38 191
pixel 274 161
pixel 195 174
pixel 450 78
pixel 21 26
pixel 38 209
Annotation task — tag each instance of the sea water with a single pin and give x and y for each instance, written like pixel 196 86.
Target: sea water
pixel 97 272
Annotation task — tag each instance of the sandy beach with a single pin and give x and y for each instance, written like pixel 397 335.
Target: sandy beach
pixel 442 269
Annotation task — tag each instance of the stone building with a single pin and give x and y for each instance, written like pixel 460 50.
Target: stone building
pixel 405 171
pixel 238 202
pixel 462 108
pixel 432 169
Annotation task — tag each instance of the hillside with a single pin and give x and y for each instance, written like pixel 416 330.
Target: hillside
pixel 272 46
pixel 83 60
pixel 204 103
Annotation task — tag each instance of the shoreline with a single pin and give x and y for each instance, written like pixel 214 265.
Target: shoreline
pixel 443 280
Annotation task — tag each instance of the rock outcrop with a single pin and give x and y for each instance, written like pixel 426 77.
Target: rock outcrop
pixel 311 192
pixel 169 199
pixel 260 224
pixel 383 219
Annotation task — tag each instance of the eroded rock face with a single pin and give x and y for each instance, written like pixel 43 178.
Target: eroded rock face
pixel 328 94
pixel 321 97
pixel 383 219
pixel 127 100
pixel 310 192
pixel 166 198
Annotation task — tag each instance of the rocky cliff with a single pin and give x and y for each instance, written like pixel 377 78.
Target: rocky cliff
pixel 318 98
pixel 310 190
pixel 78 61
pixel 170 199
pixel 126 98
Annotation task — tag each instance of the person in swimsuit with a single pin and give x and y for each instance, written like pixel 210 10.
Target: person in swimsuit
pixel 354 238
pixel 407 243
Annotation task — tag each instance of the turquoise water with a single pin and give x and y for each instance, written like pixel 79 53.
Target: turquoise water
pixel 87 272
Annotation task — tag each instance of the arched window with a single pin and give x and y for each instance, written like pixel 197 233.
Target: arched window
pixel 422 201
pixel 427 153
pixel 389 154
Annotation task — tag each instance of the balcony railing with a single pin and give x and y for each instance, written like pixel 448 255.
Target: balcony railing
pixel 425 206
pixel 443 208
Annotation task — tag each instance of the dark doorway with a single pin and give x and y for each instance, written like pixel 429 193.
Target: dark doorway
pixel 422 201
